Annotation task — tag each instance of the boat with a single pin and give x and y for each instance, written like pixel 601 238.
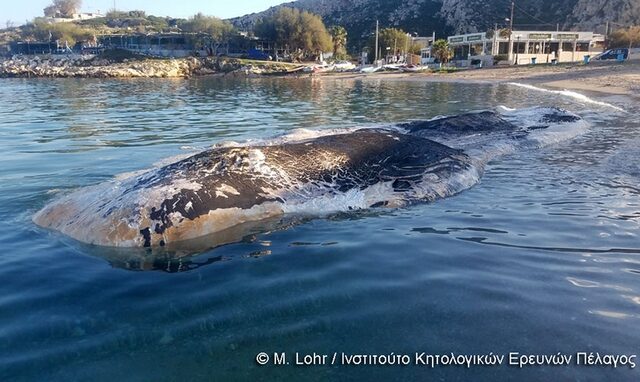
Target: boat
pixel 343 66
pixel 370 69
pixel 413 68
pixel 393 66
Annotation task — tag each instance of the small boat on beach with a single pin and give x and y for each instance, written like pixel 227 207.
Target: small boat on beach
pixel 413 68
pixel 343 66
pixel 370 69
pixel 320 68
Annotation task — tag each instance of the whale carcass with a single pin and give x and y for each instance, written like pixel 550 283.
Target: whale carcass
pixel 224 187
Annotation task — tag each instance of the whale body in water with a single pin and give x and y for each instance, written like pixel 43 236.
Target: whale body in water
pixel 228 186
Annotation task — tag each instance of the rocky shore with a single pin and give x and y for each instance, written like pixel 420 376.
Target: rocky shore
pixel 97 67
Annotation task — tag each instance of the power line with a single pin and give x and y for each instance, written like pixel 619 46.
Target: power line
pixel 534 17
pixel 507 2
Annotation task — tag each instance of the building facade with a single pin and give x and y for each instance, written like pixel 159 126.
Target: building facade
pixel 159 45
pixel 74 17
pixel 527 47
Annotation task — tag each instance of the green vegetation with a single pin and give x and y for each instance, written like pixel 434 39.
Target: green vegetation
pixel 217 28
pixel 302 34
pixel 299 34
pixel 626 38
pixel 41 30
pixel 215 31
pixel 393 41
pixel 339 37
pixel 447 70
pixel 118 21
pixel 442 51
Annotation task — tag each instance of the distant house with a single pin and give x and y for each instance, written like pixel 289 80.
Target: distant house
pixel 28 47
pixel 187 44
pixel 52 47
pixel 74 17
pixel 157 44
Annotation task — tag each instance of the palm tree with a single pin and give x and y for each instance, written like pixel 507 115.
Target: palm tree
pixel 441 50
pixel 339 35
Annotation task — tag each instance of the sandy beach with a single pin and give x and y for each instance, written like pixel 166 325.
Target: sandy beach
pixel 606 78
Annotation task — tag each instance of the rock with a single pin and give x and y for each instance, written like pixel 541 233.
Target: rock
pixel 56 66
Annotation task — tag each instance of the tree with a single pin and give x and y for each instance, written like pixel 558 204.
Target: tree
pixel 339 36
pixel 396 40
pixel 217 28
pixel 138 14
pixel 441 50
pixel 504 33
pixel 629 37
pixel 50 11
pixel 218 31
pixel 295 31
pixel 66 8
pixel 41 30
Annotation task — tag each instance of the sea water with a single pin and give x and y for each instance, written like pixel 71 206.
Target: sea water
pixel 540 257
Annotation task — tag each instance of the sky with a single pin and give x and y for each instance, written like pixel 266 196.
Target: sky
pixel 20 11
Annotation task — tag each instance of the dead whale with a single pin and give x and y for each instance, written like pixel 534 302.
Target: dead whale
pixel 224 187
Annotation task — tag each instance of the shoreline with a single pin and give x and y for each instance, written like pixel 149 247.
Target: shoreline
pixel 131 66
pixel 606 79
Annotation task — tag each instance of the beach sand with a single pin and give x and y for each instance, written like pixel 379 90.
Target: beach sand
pixel 606 78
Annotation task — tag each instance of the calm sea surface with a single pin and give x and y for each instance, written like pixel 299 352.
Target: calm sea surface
pixel 542 256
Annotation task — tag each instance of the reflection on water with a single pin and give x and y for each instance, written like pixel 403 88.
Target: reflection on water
pixel 183 256
pixel 542 256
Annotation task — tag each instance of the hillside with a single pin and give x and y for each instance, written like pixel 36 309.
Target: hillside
pixel 459 16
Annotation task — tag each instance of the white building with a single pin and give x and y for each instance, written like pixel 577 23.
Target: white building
pixel 74 17
pixel 526 47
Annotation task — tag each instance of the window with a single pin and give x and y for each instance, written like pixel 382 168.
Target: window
pixel 567 47
pixel 535 47
pixel 519 47
pixel 476 49
pixel 582 47
pixel 460 52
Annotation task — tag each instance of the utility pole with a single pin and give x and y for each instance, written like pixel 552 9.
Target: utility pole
pixel 406 49
pixel 377 27
pixel 494 46
pixel 513 4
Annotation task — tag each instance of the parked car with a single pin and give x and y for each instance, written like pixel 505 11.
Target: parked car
pixel 255 54
pixel 612 54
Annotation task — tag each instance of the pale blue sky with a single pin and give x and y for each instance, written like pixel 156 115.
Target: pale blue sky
pixel 20 11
